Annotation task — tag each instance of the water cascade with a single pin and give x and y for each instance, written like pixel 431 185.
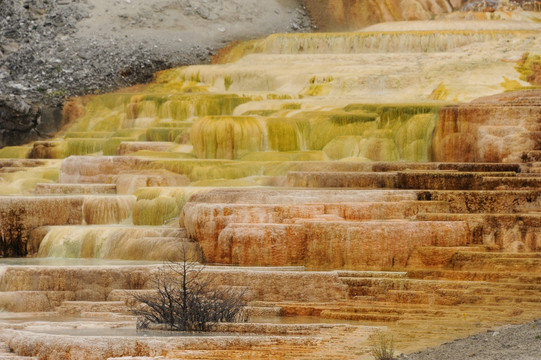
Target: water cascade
pixel 367 41
pixel 130 243
pixel 105 210
pixel 160 205
pixel 341 176
pixel 226 137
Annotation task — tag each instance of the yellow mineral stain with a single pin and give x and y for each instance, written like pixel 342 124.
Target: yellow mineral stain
pixel 221 137
pixel 103 242
pixel 160 205
pixel 15 152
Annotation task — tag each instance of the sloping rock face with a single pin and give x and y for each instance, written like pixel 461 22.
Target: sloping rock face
pixel 333 15
pixel 352 15
pixel 499 128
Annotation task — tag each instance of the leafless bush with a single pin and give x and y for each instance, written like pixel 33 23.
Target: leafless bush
pixel 186 300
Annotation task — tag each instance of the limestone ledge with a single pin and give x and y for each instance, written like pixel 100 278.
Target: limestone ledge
pixel 20 215
pixel 498 128
pixel 52 347
pixel 45 287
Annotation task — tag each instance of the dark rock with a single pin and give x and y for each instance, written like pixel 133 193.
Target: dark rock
pixel 50 121
pixel 18 120
pixel 16 114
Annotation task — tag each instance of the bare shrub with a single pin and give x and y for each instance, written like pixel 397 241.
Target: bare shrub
pixel 186 300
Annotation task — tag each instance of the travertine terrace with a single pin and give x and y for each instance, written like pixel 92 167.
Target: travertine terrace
pixel 349 182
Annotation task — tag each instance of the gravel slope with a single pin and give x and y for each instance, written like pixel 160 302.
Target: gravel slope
pixel 53 49
pixel 512 342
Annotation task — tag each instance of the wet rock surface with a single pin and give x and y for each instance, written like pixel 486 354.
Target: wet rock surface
pixel 51 50
pixel 508 118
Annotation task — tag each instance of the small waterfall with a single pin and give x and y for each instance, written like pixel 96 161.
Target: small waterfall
pixel 220 137
pixel 286 134
pixel 160 205
pixel 83 146
pixel 126 243
pixel 174 110
pixel 385 133
pixel 107 210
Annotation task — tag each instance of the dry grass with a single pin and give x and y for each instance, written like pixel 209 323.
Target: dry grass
pixel 382 346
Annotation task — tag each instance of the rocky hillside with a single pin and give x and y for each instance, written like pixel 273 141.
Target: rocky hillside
pixel 53 49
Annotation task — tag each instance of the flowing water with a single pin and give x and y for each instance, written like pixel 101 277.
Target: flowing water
pixel 198 162
pixel 270 107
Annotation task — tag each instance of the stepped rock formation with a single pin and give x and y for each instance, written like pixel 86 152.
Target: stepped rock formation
pixel 348 15
pixel 499 128
pixel 353 15
pixel 343 182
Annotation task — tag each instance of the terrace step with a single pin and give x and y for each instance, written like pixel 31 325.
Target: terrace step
pixel 106 316
pixel 447 180
pixel 497 261
pixel 344 274
pixel 9 169
pixel 128 147
pixel 478 258
pixel 502 255
pixel 474 275
pixel 358 180
pixel 21 163
pixel 376 311
pixel 519 182
pixel 408 297
pixel 425 180
pixel 364 298
pixel 376 286
pixel 98 307
pixel 71 189
pixel 441 292
pixel 340 315
pixel 483 201
pixel 25 300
